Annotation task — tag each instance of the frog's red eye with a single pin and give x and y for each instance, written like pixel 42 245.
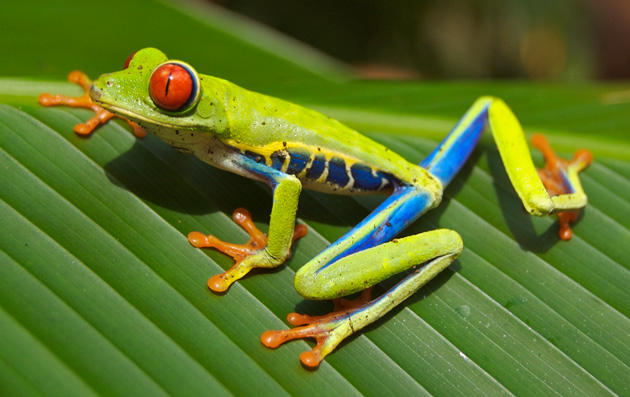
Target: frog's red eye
pixel 174 86
pixel 129 58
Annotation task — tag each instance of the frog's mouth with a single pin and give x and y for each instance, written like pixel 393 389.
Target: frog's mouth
pixel 124 112
pixel 144 121
pixel 97 98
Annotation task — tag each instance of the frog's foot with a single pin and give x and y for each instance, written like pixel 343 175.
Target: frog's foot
pixel 328 330
pixel 556 178
pixel 256 244
pixel 341 304
pixel 101 115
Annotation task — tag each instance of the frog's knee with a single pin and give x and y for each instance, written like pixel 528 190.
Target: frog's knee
pixel 305 284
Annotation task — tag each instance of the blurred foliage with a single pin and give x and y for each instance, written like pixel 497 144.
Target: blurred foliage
pixel 538 39
pixel 50 38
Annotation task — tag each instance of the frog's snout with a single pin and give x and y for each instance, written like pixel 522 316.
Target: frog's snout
pixel 95 93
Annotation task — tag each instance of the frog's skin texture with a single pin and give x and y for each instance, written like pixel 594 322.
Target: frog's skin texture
pixel 290 147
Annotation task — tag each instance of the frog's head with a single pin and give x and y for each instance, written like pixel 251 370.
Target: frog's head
pixel 153 91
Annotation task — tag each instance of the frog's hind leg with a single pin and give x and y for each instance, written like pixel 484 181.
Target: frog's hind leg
pixel 559 176
pixel 431 252
pixel 356 262
pixel 554 190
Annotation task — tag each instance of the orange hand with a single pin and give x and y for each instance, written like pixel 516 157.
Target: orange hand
pixel 101 116
pixel 257 241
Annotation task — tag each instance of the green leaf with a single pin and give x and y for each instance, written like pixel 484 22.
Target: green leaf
pixel 101 293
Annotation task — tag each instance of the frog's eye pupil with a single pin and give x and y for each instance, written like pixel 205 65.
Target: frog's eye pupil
pixel 129 58
pixel 173 86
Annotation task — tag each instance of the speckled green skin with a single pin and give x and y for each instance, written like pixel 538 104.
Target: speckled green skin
pixel 228 116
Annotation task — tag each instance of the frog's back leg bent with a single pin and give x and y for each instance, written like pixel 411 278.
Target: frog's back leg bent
pixel 537 195
pixel 363 257
pixel 358 261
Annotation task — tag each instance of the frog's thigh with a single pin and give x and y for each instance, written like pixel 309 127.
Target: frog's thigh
pixel 435 250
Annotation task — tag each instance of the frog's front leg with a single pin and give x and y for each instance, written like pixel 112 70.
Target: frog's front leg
pixel 433 251
pixel 101 116
pixel 260 251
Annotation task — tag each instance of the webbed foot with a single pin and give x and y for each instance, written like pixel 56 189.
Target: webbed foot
pixel 101 115
pixel 328 330
pixel 555 177
pixel 240 252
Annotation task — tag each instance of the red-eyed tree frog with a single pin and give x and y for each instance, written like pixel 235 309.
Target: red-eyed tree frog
pixel 290 147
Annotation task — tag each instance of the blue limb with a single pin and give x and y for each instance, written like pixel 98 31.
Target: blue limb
pixel 408 202
pixel 451 154
pixel 365 255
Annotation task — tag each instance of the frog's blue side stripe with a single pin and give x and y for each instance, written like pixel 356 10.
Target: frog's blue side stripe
pixel 277 160
pixel 449 157
pixel 365 178
pixel 256 169
pixel 298 161
pixel 337 174
pixel 295 161
pixel 317 167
